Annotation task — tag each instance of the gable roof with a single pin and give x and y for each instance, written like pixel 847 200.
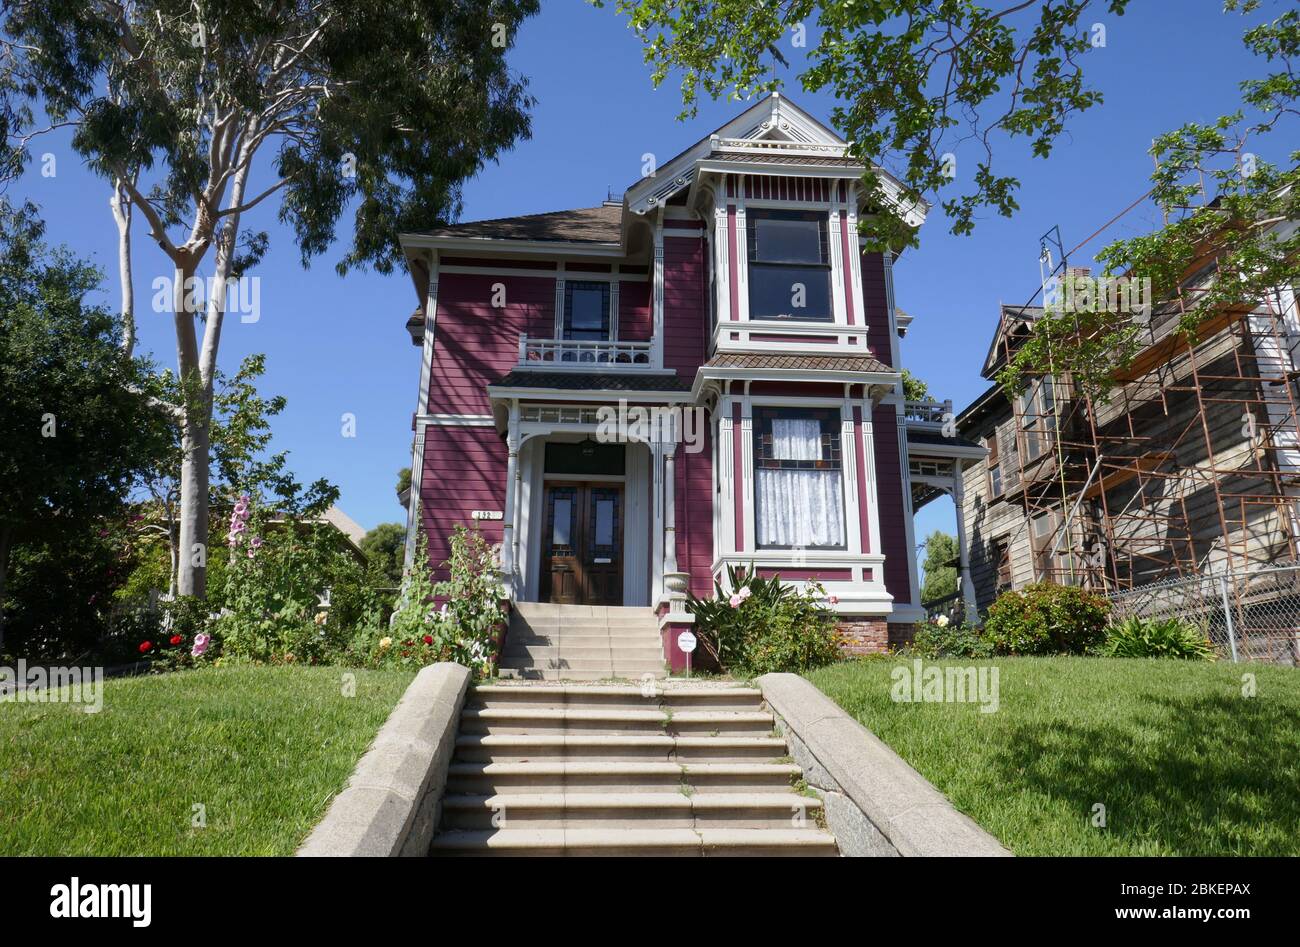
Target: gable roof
pixel 795 137
pixel 1012 320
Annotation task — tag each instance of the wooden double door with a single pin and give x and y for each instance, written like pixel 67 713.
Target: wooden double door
pixel 582 546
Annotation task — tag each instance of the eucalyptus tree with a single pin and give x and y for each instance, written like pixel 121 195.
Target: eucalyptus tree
pixel 197 112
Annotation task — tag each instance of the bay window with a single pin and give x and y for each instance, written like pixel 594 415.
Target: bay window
pixel 798 485
pixel 789 265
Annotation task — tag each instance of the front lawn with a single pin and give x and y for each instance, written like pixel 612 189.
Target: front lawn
pixel 261 749
pixel 1182 762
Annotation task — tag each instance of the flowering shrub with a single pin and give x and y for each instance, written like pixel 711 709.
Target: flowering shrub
pixel 766 626
pixel 275 579
pixel 464 630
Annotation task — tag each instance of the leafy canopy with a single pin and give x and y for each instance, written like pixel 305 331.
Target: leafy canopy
pixel 917 78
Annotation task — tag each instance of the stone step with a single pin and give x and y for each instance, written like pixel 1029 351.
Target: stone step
pixel 676 696
pixel 702 842
pixel 599 668
pixel 658 810
pixel 486 779
pixel 646 619
pixel 553 612
pixel 594 721
pixel 542 674
pixel 584 636
pixel 621 653
pixel 519 748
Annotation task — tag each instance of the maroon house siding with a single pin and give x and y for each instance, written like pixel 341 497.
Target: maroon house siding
pixel 635 318
pixel 889 496
pixel 685 322
pixel 474 345
pixel 875 301
pixel 464 470
pixel 694 515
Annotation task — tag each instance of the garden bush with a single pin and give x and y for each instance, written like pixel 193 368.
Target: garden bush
pixel 765 626
pixel 1046 618
pixel 1157 638
pixel 941 640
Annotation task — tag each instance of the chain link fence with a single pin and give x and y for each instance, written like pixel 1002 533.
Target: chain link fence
pixel 1249 617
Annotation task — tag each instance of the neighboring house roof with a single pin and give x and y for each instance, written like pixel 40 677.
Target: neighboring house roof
pixel 579 225
pixel 1011 320
pixel 824 363
pixel 345 525
pixel 992 401
pixel 590 381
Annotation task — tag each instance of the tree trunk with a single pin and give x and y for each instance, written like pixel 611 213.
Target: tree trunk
pixel 6 535
pixel 196 408
pixel 192 570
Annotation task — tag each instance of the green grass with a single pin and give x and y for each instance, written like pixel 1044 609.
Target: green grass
pixel 262 749
pixel 1183 763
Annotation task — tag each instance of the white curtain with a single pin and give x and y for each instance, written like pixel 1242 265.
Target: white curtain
pixel 798 507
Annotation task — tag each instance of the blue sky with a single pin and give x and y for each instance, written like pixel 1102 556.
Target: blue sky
pixel 337 345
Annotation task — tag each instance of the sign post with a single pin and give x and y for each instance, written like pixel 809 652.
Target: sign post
pixel 686 642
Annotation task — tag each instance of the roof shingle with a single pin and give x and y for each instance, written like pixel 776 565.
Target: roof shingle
pixel 824 363
pixel 579 225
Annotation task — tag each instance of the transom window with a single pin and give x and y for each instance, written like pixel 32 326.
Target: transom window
pixel 586 311
pixel 789 265
pixel 798 492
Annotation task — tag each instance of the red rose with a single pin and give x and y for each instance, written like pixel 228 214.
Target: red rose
pixel 177 639
pixel 428 639
pixel 145 646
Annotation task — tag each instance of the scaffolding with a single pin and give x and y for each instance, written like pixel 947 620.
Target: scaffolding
pixel 1190 465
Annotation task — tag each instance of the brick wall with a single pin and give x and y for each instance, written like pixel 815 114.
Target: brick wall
pixel 864 635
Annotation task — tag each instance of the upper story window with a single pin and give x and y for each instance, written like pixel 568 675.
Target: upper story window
pixel 586 311
pixel 1037 412
pixel 798 496
pixel 789 266
pixel 994 466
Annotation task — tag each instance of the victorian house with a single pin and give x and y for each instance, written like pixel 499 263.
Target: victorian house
pixel 633 397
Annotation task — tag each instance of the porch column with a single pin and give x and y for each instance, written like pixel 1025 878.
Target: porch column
pixel 670 508
pixel 508 514
pixel 963 553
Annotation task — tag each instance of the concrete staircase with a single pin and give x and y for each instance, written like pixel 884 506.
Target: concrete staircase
pixel 581 642
pixel 575 769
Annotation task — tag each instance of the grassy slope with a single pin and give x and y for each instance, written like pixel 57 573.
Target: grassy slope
pixel 264 749
pixel 1184 764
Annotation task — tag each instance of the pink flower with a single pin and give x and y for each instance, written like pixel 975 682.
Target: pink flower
pixel 256 542
pixel 200 644
pixel 745 593
pixel 736 600
pixel 252 553
pixel 834 600
pixel 237 526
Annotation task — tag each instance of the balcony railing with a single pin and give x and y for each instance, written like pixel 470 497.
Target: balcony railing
pixel 927 412
pixel 573 354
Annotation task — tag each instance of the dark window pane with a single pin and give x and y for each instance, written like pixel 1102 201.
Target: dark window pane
pixel 787 241
pixel 775 292
pixel 586 311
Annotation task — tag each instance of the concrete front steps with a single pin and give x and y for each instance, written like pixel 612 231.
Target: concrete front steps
pixel 543 769
pixel 581 642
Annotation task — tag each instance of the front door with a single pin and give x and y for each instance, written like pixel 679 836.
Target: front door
pixel 582 561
